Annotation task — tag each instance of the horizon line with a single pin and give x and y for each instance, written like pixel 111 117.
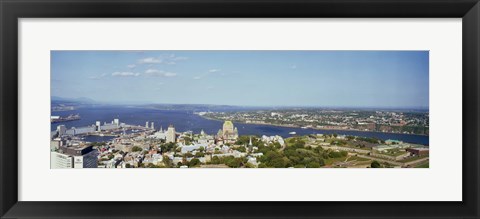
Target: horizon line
pixel 138 103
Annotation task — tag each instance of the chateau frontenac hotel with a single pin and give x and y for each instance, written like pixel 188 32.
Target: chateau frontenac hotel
pixel 229 134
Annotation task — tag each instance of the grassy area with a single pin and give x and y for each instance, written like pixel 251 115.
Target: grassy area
pixel 394 152
pixel 425 165
pixel 330 161
pixel 413 158
pixel 358 159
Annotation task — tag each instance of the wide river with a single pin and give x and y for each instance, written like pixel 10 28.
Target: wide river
pixel 185 120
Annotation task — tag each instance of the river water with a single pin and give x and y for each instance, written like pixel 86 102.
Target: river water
pixel 186 120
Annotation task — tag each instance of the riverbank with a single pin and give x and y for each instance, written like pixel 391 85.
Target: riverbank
pixel 187 120
pixel 311 128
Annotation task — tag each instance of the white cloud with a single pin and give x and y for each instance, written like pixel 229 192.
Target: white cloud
pixel 210 71
pixel 170 74
pixel 125 74
pixel 159 73
pixel 131 66
pixel 150 60
pixel 171 59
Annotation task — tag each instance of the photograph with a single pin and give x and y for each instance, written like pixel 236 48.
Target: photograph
pixel 239 109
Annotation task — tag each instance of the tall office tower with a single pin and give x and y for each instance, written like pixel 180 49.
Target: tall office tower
pixel 61 129
pixel 98 126
pixel 171 134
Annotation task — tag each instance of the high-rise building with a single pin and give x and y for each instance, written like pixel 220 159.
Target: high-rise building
pixel 88 160
pixel 98 126
pixel 77 156
pixel 61 129
pixel 116 122
pixel 60 161
pixel 146 125
pixel 153 127
pixel 171 134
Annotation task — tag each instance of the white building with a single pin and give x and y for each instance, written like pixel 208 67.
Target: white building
pixel 189 148
pixel 81 130
pixel 171 134
pixel 56 143
pixel 61 129
pixel 60 161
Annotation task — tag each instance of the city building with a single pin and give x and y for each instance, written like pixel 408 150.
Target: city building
pixel 56 143
pixel 418 151
pixel 229 133
pixel 60 161
pixel 190 148
pixel 98 124
pixel 171 134
pixel 74 156
pixel 159 135
pixel 61 129
pixel 81 130
pixel 88 160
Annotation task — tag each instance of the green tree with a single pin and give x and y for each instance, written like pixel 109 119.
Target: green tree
pixel 313 165
pixel 215 160
pixel 188 140
pixel 151 165
pixel 194 162
pixel 232 162
pixel 136 148
pixel 167 162
pixel 262 165
pixel 199 154
pixel 375 164
pixel 241 149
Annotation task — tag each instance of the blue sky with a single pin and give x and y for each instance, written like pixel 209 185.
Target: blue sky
pixel 391 79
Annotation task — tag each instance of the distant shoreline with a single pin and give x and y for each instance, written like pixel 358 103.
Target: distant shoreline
pixel 325 129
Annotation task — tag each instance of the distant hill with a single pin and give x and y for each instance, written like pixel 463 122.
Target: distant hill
pixel 84 100
pixel 196 107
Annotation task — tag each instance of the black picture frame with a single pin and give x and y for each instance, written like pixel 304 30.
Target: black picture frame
pixel 12 10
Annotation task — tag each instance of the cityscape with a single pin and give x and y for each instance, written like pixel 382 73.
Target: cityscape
pixel 163 113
